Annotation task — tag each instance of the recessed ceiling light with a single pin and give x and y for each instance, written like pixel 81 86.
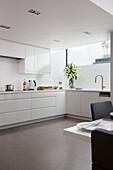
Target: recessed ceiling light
pixel 34 12
pixel 87 33
pixel 5 27
pixel 56 41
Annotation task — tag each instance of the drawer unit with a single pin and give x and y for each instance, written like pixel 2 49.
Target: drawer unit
pixel 14 117
pixel 1 96
pixel 15 105
pixel 17 96
pixel 43 112
pixel 43 102
pixel 43 94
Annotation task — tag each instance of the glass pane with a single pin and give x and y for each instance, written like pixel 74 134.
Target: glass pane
pixel 87 54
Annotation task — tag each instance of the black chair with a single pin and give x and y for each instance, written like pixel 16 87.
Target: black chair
pixel 102 149
pixel 101 110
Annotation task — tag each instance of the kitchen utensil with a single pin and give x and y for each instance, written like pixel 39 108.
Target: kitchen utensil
pixel 32 84
pixel 9 87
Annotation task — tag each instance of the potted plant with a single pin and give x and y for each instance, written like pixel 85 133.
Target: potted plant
pixel 71 73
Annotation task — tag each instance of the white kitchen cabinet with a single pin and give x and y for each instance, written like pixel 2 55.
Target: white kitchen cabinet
pixel 43 94
pixel 86 99
pixel 102 99
pixel 60 103
pixel 16 96
pixel 42 60
pixel 12 49
pixel 43 105
pixel 37 61
pixel 1 96
pixel 43 112
pixel 14 117
pixel 15 105
pixel 28 64
pixel 43 102
pixel 30 60
pixel 73 103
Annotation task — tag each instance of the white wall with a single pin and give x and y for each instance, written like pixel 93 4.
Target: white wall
pixel 87 75
pixel 112 67
pixel 9 72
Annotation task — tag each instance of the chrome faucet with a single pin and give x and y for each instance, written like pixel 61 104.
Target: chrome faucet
pixel 102 86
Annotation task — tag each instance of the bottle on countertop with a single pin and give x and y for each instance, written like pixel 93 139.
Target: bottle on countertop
pixel 60 85
pixel 24 85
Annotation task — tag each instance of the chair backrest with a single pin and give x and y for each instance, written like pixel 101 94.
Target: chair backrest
pixel 102 149
pixel 101 109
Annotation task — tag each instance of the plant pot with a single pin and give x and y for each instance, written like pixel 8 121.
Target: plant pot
pixel 72 83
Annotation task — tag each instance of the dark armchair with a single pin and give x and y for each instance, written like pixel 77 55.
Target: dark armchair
pixel 101 110
pixel 102 149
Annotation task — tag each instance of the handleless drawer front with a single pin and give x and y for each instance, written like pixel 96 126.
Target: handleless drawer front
pixel 43 112
pixel 14 117
pixel 43 94
pixel 1 96
pixel 17 96
pixel 43 102
pixel 15 105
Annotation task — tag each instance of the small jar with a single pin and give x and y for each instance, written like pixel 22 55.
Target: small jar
pixel 60 85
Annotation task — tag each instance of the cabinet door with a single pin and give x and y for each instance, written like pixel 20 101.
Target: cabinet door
pixel 42 60
pixel 86 99
pixel 15 105
pixel 60 103
pixel 102 99
pixel 43 102
pixel 14 117
pixel 43 94
pixel 12 49
pixel 73 103
pixel 30 60
pixel 43 112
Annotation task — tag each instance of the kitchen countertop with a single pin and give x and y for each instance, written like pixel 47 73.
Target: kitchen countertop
pixel 29 91
pixel 41 91
pixel 89 90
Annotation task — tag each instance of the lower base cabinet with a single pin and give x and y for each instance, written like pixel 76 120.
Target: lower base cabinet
pixel 73 103
pixel 43 112
pixel 78 103
pixel 60 103
pixel 17 108
pixel 14 117
pixel 102 99
pixel 86 99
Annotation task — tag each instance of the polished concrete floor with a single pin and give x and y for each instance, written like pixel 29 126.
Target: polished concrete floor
pixel 43 146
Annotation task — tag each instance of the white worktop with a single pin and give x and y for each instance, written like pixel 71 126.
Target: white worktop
pixel 89 90
pixel 36 91
pixel 29 91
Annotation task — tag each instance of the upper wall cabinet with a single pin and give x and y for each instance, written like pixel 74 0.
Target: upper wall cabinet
pixel 11 49
pixel 37 61
pixel 42 60
pixel 29 62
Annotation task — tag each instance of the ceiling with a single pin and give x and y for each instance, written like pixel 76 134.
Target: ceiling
pixel 63 20
pixel 107 5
